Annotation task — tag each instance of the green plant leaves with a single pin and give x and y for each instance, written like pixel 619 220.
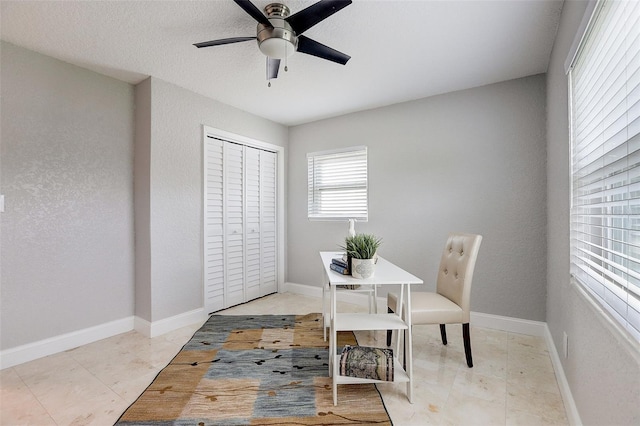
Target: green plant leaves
pixel 362 246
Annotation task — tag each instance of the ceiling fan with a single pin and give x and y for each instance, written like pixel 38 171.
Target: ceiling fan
pixel 279 34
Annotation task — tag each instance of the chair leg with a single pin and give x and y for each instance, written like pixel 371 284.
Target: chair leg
pixel 389 310
pixel 467 344
pixel 443 333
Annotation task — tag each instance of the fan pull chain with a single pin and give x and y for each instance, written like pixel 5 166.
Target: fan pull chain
pixel 286 68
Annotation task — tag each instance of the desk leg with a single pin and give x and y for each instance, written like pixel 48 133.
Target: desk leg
pixel 409 346
pixel 325 287
pixel 375 297
pixel 399 309
pixel 333 346
pixel 331 339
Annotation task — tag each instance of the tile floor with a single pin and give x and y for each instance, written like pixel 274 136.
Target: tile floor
pixel 512 381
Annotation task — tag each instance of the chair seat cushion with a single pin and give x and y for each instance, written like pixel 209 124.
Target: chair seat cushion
pixel 429 308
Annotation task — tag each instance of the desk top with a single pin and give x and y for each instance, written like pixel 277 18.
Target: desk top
pixel 385 272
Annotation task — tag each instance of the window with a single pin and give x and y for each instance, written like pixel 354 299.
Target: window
pixel 337 184
pixel 605 141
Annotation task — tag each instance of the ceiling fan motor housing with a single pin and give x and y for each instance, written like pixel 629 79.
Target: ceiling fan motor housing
pixel 280 41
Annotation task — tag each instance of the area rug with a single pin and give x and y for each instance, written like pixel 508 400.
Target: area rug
pixel 255 370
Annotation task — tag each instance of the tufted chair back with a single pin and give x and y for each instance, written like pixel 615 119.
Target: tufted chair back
pixel 456 270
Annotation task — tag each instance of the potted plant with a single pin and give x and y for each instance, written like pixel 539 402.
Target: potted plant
pixel 362 249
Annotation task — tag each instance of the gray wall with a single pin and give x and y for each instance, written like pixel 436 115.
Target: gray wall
pixel 142 205
pixel 471 161
pixel 67 257
pixel 67 173
pixel 603 367
pixel 174 224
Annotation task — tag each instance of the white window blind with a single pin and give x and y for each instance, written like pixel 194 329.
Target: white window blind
pixel 605 118
pixel 337 184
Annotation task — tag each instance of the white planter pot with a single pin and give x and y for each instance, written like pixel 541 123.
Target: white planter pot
pixel 362 268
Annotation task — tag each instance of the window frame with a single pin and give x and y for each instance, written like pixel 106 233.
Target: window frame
pixel 317 163
pixel 604 262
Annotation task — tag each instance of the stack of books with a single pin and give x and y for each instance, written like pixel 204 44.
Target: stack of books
pixel 340 265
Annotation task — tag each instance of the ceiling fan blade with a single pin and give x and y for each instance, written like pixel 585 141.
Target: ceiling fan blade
pixel 273 65
pixel 255 13
pixel 223 41
pixel 312 47
pixel 307 18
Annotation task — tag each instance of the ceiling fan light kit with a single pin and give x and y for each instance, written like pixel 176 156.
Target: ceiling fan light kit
pixel 279 34
pixel 277 41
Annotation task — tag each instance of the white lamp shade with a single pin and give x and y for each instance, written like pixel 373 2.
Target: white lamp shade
pixel 277 48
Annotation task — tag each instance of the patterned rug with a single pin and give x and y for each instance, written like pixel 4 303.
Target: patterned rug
pixel 255 370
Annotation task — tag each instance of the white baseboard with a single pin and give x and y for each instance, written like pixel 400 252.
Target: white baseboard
pixel 510 324
pixel 156 328
pixel 567 397
pixel 302 289
pixel 64 342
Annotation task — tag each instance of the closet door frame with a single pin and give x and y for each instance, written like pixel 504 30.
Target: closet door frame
pixel 223 135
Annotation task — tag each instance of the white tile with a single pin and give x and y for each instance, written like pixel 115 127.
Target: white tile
pixel 18 406
pixel 471 383
pixel 463 409
pixel 535 401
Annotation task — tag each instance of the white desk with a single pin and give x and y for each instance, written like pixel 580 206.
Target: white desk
pixel 386 273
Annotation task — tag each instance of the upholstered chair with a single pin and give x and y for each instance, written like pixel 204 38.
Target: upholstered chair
pixel 450 303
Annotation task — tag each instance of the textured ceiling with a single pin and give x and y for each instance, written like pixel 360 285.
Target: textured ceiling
pixel 401 50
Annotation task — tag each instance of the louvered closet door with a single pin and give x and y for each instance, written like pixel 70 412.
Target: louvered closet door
pixel 268 217
pixel 234 223
pixel 240 224
pixel 213 227
pixel 252 220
